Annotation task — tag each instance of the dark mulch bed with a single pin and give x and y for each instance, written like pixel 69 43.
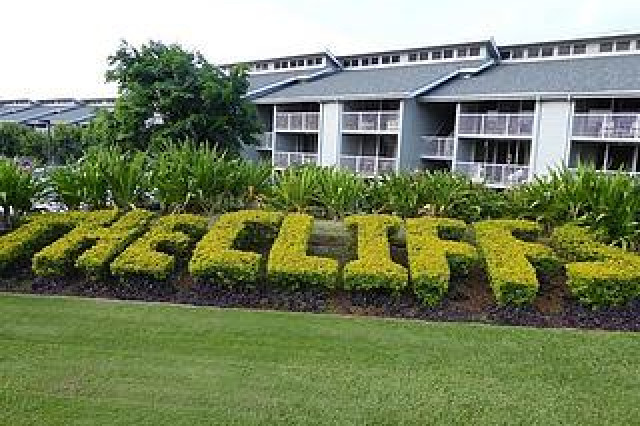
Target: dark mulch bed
pixel 469 299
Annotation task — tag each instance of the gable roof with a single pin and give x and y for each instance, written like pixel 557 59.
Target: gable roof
pixel 364 83
pixel 547 78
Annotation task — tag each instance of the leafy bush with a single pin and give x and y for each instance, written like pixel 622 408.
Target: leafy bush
pixel 197 178
pixel 216 257
pixel 290 266
pixel 508 260
pixel 374 267
pixel 294 189
pixel 431 257
pixel 598 275
pixel 91 246
pixel 18 190
pixel 104 176
pixel 153 255
pixel 609 203
pixel 338 192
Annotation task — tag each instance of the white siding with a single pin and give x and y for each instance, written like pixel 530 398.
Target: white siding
pixel 552 139
pixel 330 135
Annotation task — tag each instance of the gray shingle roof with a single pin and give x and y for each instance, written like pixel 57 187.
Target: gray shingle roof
pixel 80 113
pixel 257 81
pixel 393 81
pixel 570 76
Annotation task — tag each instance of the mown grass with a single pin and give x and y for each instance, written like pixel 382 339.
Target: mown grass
pixel 75 361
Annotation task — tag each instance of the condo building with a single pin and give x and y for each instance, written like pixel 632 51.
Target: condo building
pixel 498 114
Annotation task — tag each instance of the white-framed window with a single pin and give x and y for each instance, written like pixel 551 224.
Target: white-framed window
pixel 564 50
pixel 623 45
pixel 474 51
pixel 546 52
pixel 579 49
pixel 606 47
pixel 533 52
pixel 462 52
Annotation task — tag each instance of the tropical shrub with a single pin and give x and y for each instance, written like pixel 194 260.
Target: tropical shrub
pixel 216 256
pixel 289 264
pixel 597 274
pixel 509 261
pixel 338 192
pixel 91 246
pixel 608 203
pixel 18 190
pixel 154 254
pixel 431 258
pixel 295 189
pixel 374 267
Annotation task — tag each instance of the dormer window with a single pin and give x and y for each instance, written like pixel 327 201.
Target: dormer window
pixel 623 46
pixel 579 49
pixel 547 52
pixel 606 47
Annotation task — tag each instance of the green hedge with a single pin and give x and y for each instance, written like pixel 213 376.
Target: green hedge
pixel 39 231
pixel 374 267
pixel 154 254
pixel 289 265
pixel 432 258
pixel 90 247
pixel 510 261
pixel 598 275
pixel 215 256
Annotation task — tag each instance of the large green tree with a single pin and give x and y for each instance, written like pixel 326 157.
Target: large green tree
pixel 167 92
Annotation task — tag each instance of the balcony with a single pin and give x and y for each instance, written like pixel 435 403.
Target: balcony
pixel 368 166
pixel 283 160
pixel 607 126
pixel 497 175
pixel 438 147
pixel 265 141
pixel 496 125
pixel 297 121
pixel 371 122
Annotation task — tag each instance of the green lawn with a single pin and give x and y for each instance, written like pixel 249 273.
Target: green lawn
pixel 75 361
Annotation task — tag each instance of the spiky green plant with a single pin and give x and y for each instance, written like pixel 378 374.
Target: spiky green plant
pixel 609 203
pixel 18 190
pixel 294 189
pixel 339 192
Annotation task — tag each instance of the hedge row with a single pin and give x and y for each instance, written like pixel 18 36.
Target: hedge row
pixel 374 267
pixel 91 246
pixel 289 264
pixel 510 262
pixel 432 258
pixel 597 274
pixel 154 254
pixel 216 257
pixel 134 244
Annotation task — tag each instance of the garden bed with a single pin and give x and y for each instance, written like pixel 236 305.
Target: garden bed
pixel 497 271
pixel 469 300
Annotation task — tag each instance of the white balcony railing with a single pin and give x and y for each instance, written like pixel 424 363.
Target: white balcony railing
pixel 494 124
pixel 297 121
pixel 368 165
pixel 607 126
pixel 371 121
pixel 502 175
pixel 265 140
pixel 437 147
pixel 282 160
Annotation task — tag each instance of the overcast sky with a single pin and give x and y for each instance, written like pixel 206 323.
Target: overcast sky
pixel 59 48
